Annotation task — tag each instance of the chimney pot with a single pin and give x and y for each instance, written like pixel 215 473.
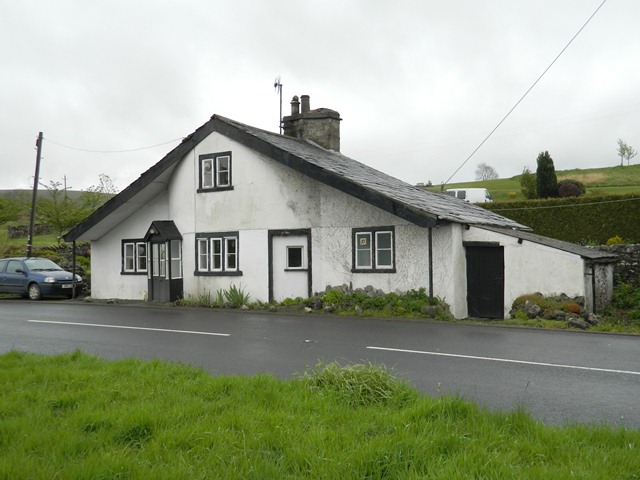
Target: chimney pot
pixel 295 105
pixel 321 126
pixel 305 104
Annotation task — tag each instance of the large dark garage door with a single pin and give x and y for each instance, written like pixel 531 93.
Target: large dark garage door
pixel 485 280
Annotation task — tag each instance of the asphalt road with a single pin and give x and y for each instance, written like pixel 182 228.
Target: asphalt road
pixel 558 376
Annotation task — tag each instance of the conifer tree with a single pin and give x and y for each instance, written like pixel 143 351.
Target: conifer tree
pixel 546 180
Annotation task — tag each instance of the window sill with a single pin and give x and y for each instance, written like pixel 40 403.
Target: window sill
pixel 237 273
pixel 215 189
pixel 133 273
pixel 296 269
pixel 373 270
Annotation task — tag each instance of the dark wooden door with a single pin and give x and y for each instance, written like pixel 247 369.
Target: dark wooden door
pixel 158 282
pixel 485 281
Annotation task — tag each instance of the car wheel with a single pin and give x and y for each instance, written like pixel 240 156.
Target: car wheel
pixel 34 292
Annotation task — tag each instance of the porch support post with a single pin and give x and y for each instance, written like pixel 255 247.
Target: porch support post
pixel 430 264
pixel 73 270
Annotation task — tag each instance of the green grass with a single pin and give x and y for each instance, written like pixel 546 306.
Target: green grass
pixel 75 416
pixel 598 181
pixel 18 246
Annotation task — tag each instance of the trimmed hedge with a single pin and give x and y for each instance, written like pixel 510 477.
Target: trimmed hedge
pixel 583 220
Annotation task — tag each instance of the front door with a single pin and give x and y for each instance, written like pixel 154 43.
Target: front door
pixel 485 280
pixel 289 264
pixel 158 281
pixel 165 261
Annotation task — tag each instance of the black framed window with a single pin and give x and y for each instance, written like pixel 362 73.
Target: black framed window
pixel 217 254
pixel 134 257
pixel 214 172
pixel 374 250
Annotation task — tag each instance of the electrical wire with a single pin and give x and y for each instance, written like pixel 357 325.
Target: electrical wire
pixel 112 151
pixel 526 93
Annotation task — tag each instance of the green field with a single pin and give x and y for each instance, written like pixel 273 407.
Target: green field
pixel 75 416
pixel 610 180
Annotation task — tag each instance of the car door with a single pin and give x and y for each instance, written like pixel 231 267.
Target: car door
pixel 15 277
pixel 3 277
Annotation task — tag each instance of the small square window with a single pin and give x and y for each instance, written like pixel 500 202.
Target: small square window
pixel 295 257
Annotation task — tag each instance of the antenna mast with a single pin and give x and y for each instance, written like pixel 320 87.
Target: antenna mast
pixel 278 87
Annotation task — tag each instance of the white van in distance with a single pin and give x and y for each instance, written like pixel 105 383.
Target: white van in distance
pixel 473 195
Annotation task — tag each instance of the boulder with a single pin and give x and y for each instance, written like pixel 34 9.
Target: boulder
pixel 316 304
pixel 431 310
pixel 593 319
pixel 532 309
pixel 578 323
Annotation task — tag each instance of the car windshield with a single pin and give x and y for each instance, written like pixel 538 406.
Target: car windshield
pixel 41 265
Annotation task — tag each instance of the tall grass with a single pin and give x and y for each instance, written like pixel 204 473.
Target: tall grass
pixel 75 416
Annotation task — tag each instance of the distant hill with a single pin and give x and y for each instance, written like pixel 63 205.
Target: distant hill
pixel 609 180
pixel 25 194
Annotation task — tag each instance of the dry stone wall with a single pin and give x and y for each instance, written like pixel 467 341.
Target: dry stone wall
pixel 627 268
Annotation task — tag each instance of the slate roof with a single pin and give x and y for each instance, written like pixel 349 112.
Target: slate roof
pixel 593 254
pixel 415 204
pixel 165 229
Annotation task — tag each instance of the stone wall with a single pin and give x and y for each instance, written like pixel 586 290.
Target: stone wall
pixel 627 268
pixel 22 231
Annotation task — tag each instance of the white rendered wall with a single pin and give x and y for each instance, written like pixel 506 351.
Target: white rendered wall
pixel 269 196
pixel 532 267
pixel 106 255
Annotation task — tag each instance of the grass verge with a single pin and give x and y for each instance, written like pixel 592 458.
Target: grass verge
pixel 75 416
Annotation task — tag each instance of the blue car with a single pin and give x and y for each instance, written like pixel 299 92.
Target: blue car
pixel 35 278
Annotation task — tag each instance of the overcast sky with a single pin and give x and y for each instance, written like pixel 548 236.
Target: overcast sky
pixel 418 83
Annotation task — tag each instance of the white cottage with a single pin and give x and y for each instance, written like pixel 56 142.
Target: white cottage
pixel 286 215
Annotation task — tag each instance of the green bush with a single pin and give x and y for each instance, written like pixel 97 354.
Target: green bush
pixel 528 183
pixel 614 240
pixel 570 188
pixel 236 296
pixel 624 312
pixel 547 304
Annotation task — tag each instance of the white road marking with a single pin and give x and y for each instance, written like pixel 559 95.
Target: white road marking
pixel 132 328
pixel 506 360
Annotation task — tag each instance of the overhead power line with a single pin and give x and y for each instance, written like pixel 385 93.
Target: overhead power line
pixel 567 206
pixel 112 151
pixel 527 92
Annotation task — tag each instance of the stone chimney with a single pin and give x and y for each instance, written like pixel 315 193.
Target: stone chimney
pixel 321 126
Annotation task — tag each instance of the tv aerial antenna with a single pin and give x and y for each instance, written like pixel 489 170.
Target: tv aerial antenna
pixel 277 85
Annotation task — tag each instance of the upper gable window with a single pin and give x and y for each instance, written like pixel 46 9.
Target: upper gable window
pixel 215 172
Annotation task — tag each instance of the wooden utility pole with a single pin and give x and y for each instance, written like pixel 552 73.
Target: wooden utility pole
pixel 34 196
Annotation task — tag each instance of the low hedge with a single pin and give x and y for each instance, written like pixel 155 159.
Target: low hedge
pixel 584 220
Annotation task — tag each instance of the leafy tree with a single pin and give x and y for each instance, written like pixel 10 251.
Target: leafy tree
pixel 546 179
pixel 10 209
pixel 625 152
pixel 94 196
pixel 57 209
pixel 528 183
pixel 486 172
pixel 61 212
